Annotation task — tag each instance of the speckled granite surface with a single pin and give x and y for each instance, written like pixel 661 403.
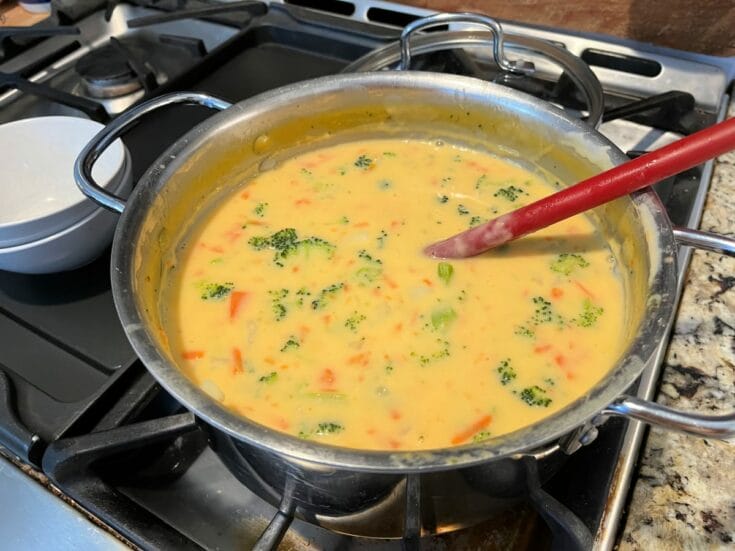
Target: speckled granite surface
pixel 684 495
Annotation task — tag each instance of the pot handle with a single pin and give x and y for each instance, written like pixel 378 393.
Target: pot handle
pixel 708 426
pixel 705 240
pixel 712 426
pixel 102 140
pixel 518 67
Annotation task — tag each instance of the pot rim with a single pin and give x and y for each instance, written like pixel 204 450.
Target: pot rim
pixel 526 439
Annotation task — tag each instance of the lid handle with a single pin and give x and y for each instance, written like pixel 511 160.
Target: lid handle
pixel 518 67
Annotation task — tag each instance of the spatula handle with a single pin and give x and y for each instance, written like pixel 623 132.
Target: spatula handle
pixel 592 192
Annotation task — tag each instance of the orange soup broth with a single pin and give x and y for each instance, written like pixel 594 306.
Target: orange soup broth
pixel 304 302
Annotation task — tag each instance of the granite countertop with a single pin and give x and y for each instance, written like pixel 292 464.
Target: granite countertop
pixel 684 492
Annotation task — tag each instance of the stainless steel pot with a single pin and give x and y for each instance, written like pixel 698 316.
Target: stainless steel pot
pixel 365 492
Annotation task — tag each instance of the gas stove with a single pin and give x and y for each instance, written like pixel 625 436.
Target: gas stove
pixel 78 410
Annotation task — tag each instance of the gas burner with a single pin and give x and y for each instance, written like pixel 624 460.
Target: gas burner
pixel 107 72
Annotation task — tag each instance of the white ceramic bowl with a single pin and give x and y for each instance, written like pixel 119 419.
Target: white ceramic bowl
pixel 71 247
pixel 38 194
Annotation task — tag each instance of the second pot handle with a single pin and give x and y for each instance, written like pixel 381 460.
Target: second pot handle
pixel 102 140
pixel 708 426
pixel 705 240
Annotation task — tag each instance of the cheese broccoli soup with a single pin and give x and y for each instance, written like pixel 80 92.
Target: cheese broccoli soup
pixel 304 302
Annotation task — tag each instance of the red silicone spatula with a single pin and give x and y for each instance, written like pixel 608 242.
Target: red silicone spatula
pixel 592 192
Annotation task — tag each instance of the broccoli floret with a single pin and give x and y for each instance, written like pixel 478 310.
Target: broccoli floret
pixel 300 294
pixel 290 344
pixel 524 331
pixel 363 161
pixel 286 243
pixel 589 315
pixel 328 428
pixel 544 312
pixel 363 254
pixel 353 322
pixel 272 377
pixel 445 271
pixel 216 291
pixel 308 245
pixel 475 221
pixel 277 298
pixel 462 210
pixel 325 295
pixel 566 263
pixel 506 372
pixel 259 243
pixel 259 209
pixel 535 396
pixel 370 270
pixel 442 198
pixel 442 352
pixel 510 193
pixel 382 236
pixel 480 436
pixel 441 318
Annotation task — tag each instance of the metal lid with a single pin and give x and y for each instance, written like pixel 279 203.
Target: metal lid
pixel 398 54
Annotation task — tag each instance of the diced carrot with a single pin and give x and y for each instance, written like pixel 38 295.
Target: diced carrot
pixel 302 201
pixel 370 431
pixel 361 225
pixel 281 423
pixel 269 360
pixel 245 194
pixel 556 292
pixel 363 358
pixel 395 414
pixel 467 433
pixel 560 360
pixel 295 269
pixel 237 299
pixel 427 282
pixel 584 289
pixel 392 284
pixel 233 235
pixel 541 348
pixel 398 327
pixel 236 361
pixel 327 319
pixel 395 444
pixel 395 223
pixel 193 354
pixel 327 379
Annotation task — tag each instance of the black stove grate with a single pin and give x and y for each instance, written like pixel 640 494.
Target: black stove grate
pixel 71 385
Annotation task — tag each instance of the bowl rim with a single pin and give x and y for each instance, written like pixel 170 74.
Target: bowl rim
pixel 126 181
pixel 54 220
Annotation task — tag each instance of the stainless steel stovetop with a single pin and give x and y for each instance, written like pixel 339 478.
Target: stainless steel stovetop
pixel 235 55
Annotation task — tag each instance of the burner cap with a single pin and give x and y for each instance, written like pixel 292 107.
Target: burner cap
pixel 106 73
